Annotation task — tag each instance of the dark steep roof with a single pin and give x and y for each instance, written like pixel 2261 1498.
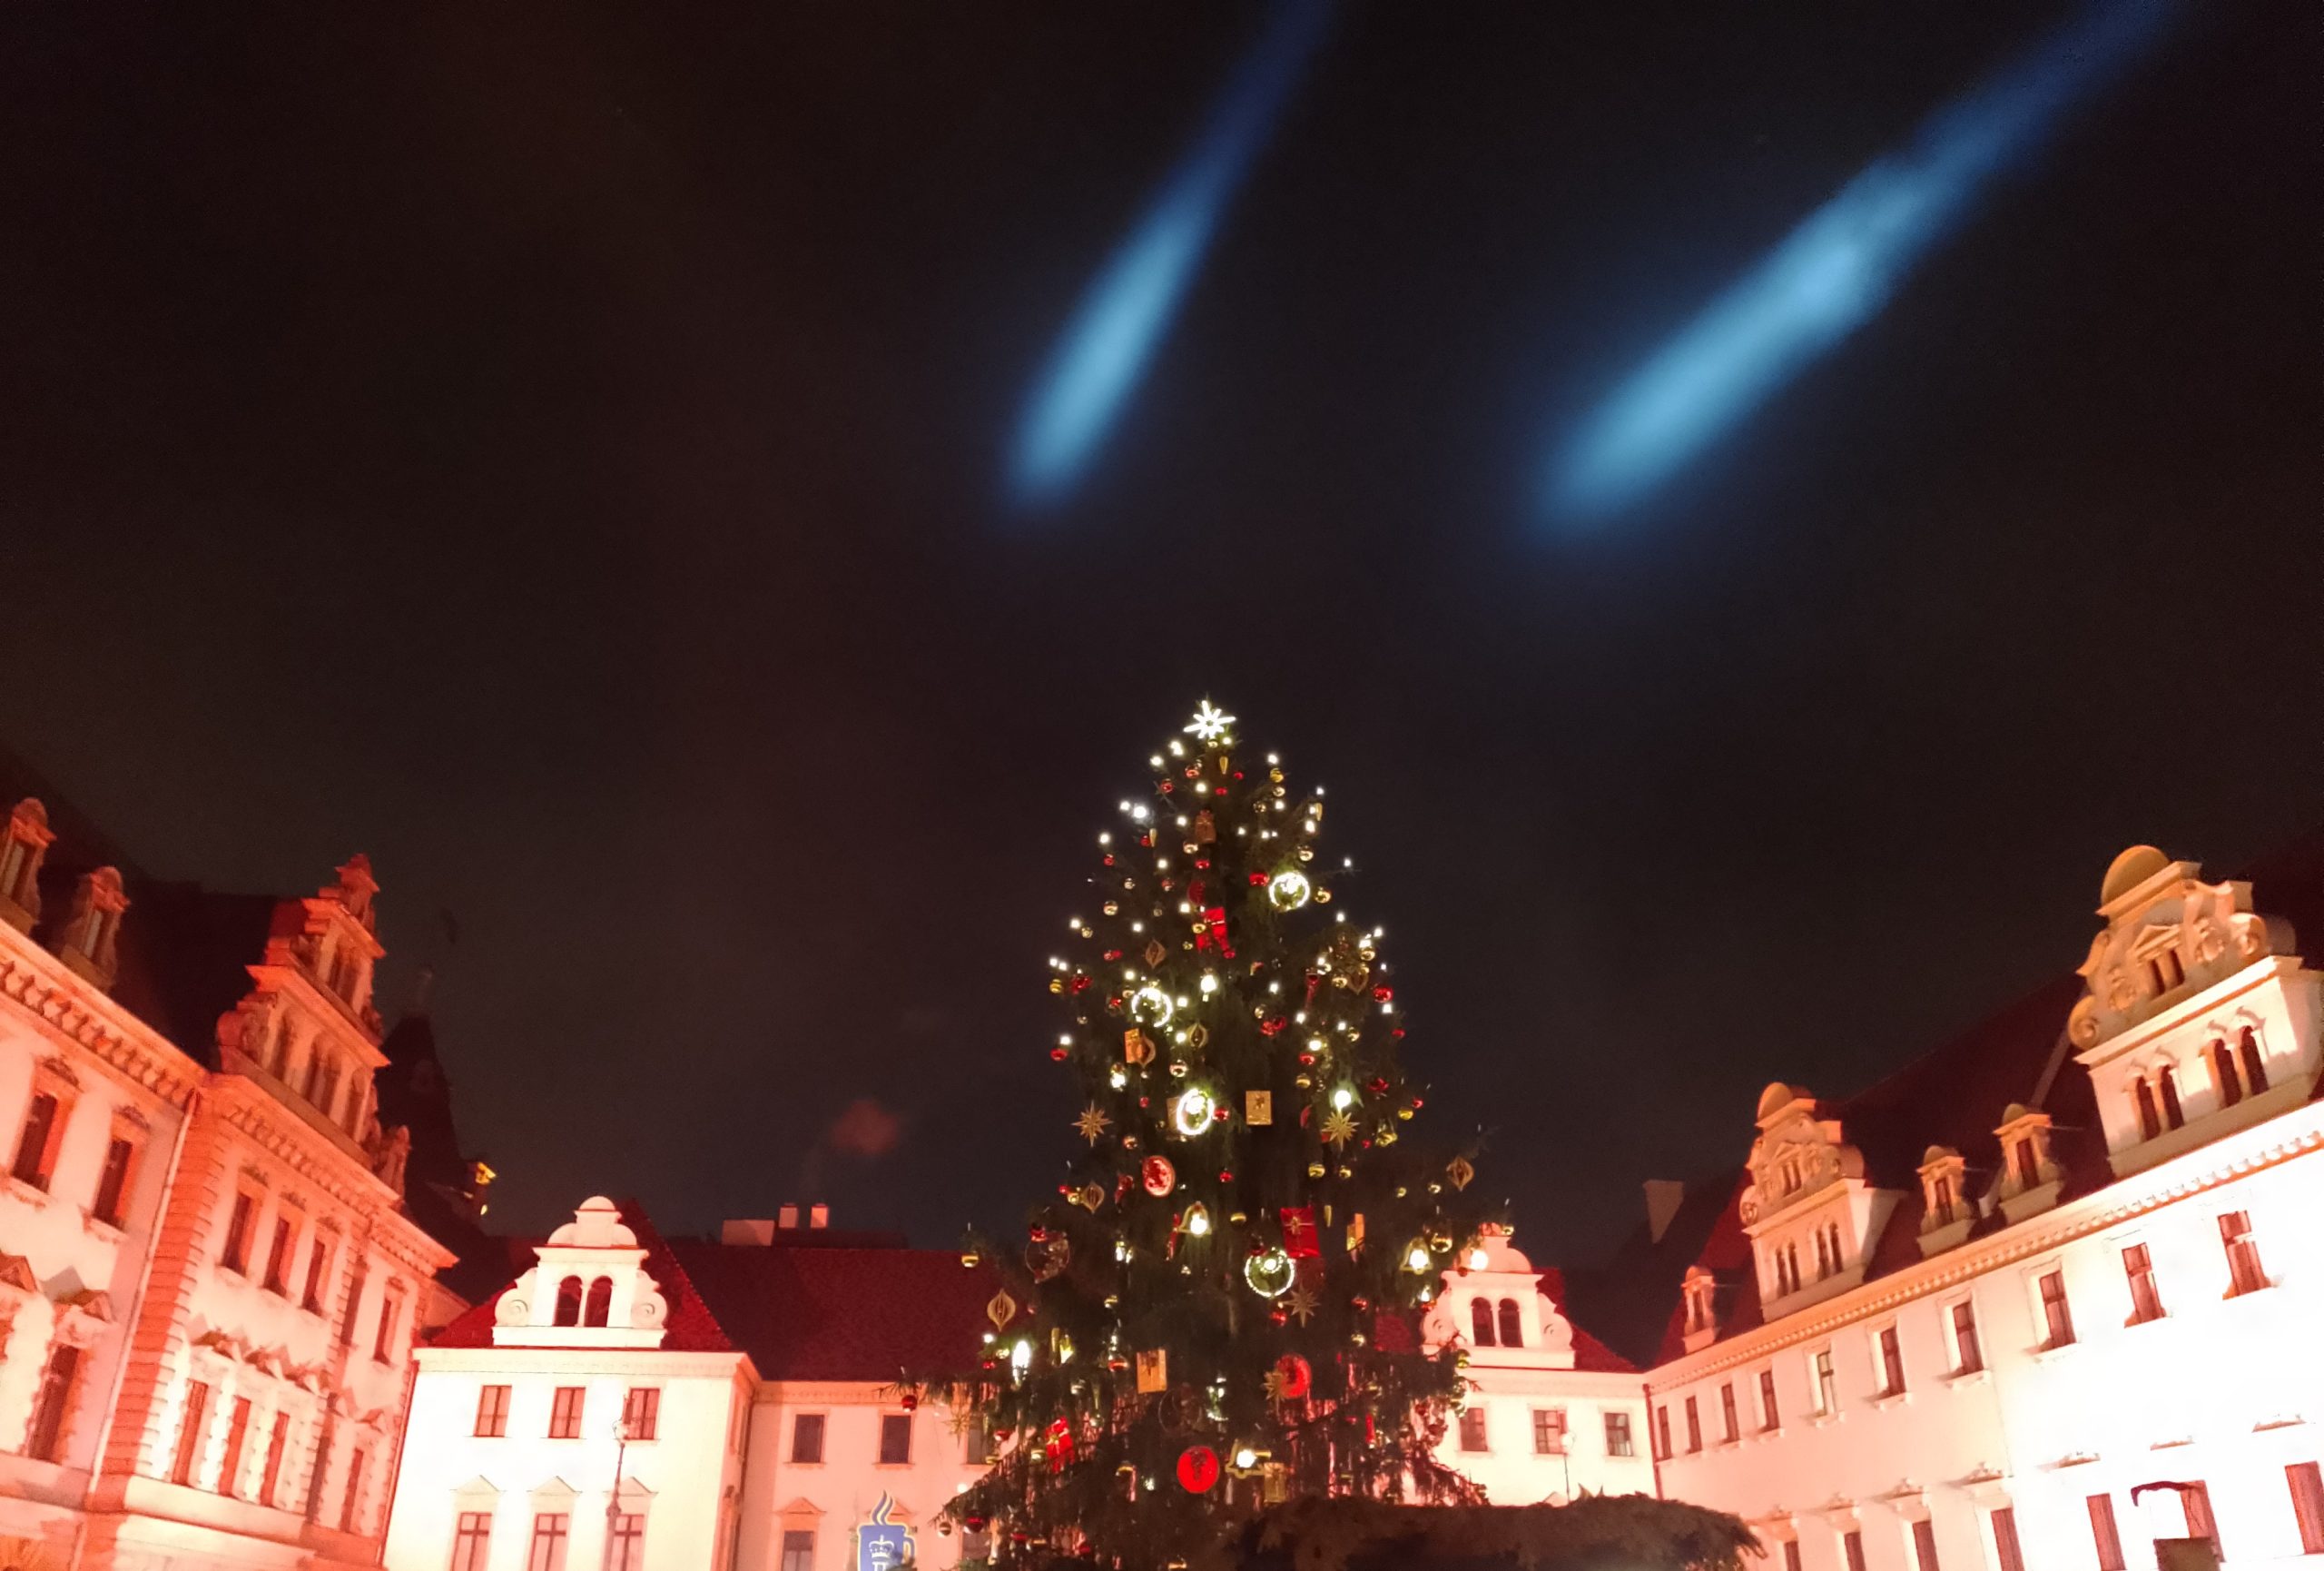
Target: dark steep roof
pixel 414 1091
pixel 821 1313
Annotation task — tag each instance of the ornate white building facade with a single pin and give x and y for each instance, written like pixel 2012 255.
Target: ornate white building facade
pixel 1553 1413
pixel 207 1281
pixel 1966 1320
pixel 632 1403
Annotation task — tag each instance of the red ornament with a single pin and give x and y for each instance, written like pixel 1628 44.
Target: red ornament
pixel 1301 1241
pixel 1378 1085
pixel 1225 1178
pixel 1298 1377
pixel 1197 1469
pixel 1384 994
pixel 1168 786
pixel 1058 1053
pixel 1159 1176
pixel 910 1401
pixel 1271 1027
pixel 1258 879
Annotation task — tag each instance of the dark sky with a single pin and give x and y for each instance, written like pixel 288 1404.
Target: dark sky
pixel 556 450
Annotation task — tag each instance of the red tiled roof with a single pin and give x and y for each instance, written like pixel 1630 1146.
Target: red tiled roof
pixel 844 1314
pixel 1589 1352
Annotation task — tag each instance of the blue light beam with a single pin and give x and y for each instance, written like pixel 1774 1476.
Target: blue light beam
pixel 1835 270
pixel 1118 324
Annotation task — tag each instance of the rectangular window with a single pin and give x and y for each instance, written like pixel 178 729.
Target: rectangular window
pixel 2243 1272
pixel 640 1410
pixel 1694 1427
pixel 34 1145
pixel 807 1438
pixel 976 1440
pixel 550 1530
pixel 271 1477
pixel 236 1256
pixel 190 1428
pixel 1473 1430
pixel 354 1305
pixel 564 1413
pixel 45 1437
pixel 1662 1432
pixel 351 1508
pixel 2055 1316
pixel 278 1258
pixel 2029 1166
pixel 1971 1357
pixel 1892 1362
pixel 2201 1523
pixel 1618 1435
pixel 2006 1555
pixel 2146 1299
pixel 625 1542
pixel 1549 1431
pixel 1828 1385
pixel 492 1413
pixel 798 1550
pixel 1791 1554
pixel 1770 1417
pixel 312 1301
pixel 1726 1411
pixel 112 1183
pixel 1852 1548
pixel 472 1541
pixel 2104 1534
pixel 390 1312
pixel 895 1438
pixel 1924 1545
pixel 2308 1504
pixel 238 1434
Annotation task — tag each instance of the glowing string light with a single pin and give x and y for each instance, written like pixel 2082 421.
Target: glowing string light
pixel 1115 330
pixel 1836 270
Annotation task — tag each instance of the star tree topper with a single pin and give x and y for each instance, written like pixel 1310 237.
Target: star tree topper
pixel 1210 722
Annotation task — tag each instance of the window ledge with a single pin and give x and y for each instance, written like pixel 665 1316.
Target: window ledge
pixel 1824 1420
pixel 2132 1325
pixel 1897 1399
pixel 1980 1376
pixel 1728 1445
pixel 2230 1296
pixel 97 1227
pixel 2055 1352
pixel 24 1190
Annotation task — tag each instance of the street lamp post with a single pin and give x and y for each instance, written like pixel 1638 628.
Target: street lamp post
pixel 613 1501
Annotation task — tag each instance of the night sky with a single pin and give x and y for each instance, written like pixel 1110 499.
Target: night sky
pixel 559 451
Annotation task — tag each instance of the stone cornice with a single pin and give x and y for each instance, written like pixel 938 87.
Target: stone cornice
pixel 2264 1145
pixel 285 1133
pixel 42 985
pixel 560 1361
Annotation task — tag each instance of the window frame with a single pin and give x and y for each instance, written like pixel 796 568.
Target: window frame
pixel 822 1438
pixel 471 1540
pixel 2241 1246
pixel 1476 1440
pixel 1550 1437
pixel 2105 1532
pixel 491 1413
pixel 2054 1315
pixel 242 1222
pixel 565 1419
pixel 1619 1440
pixel 550 1540
pixel 1771 1411
pixel 110 1203
pixel 51 1420
pixel 1889 1354
pixel 1823 1380
pixel 1969 1352
pixel 2138 1279
pixel 2305 1480
pixel 1694 1425
pixel 641 1414
pixel 1729 1414
pixel 193 1423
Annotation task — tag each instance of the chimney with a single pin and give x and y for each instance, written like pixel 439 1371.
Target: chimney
pixel 819 1216
pixel 787 1218
pixel 1662 1199
pixel 747 1232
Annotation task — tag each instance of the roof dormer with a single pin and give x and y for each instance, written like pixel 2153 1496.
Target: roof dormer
pixel 2029 1175
pixel 589 1289
pixel 2197 1016
pixel 86 939
pixel 1493 1305
pixel 28 838
pixel 1810 1212
pixel 1698 1297
pixel 1947 1211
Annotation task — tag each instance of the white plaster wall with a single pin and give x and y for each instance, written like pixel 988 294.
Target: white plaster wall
pixel 1509 1471
pixel 688 1468
pixel 845 1487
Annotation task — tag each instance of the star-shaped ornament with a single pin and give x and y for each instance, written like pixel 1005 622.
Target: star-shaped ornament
pixel 1338 1127
pixel 1301 1304
pixel 1210 722
pixel 1093 1123
pixel 1278 1383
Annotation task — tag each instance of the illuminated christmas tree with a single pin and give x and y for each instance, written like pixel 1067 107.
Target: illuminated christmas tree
pixel 1221 1308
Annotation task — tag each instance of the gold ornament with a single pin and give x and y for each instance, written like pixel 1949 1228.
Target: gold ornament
pixel 1154 954
pixel 1288 890
pixel 1338 1127
pixel 1198 1037
pixel 1258 1108
pixel 1093 1123
pixel 1136 1046
pixel 1153 1370
pixel 1301 1304
pixel 1459 1172
pixel 1002 1310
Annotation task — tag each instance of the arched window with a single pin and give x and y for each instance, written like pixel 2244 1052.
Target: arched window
pixel 2150 1119
pixel 2231 1084
pixel 601 1301
pixel 568 1301
pixel 1822 1256
pixel 1512 1330
pixel 2255 1068
pixel 2171 1112
pixel 1481 1322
